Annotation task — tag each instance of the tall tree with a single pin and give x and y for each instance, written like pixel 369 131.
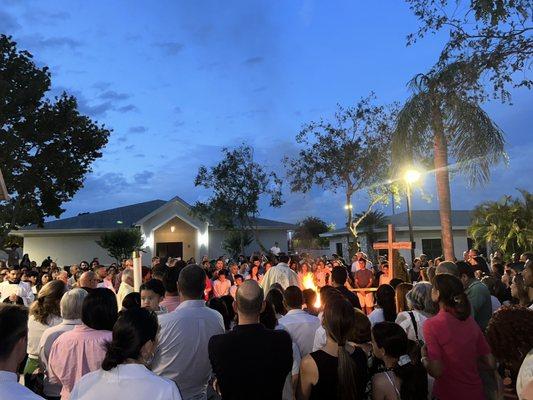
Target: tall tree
pixel 237 183
pixel 348 154
pixel 48 146
pixel 505 224
pixel 492 36
pixel 308 230
pixel 443 124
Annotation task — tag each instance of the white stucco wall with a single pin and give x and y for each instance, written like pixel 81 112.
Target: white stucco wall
pixel 267 238
pixel 65 249
pixel 459 240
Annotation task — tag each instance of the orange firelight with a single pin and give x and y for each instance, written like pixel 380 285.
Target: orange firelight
pixel 309 283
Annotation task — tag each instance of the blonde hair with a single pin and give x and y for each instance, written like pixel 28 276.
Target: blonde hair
pixel 47 302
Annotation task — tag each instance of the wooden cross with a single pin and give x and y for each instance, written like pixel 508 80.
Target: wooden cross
pixel 391 245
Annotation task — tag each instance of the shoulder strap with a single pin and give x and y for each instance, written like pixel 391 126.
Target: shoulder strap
pixel 413 321
pixel 393 385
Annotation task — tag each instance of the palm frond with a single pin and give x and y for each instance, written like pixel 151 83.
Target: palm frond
pixel 412 135
pixel 474 140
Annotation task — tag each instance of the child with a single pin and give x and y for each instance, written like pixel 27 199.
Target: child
pixel 238 282
pixel 222 285
pixel 152 293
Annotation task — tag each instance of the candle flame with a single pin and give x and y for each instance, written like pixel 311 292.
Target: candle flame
pixel 309 283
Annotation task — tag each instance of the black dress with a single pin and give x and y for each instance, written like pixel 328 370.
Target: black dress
pixel 326 387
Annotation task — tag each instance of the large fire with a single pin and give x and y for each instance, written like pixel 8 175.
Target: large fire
pixel 309 283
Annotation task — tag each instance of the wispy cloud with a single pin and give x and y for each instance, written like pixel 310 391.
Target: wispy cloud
pixel 112 95
pixel 138 129
pixel 253 61
pixel 171 48
pixel 128 108
pixel 38 42
pixel 143 177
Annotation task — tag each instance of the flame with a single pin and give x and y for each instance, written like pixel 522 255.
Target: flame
pixel 309 283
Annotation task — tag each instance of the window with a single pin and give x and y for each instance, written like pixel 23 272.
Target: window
pixel 338 249
pixel 432 248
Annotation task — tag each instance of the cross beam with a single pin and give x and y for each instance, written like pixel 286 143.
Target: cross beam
pixel 391 245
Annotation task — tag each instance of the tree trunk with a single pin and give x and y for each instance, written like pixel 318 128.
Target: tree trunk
pixel 443 184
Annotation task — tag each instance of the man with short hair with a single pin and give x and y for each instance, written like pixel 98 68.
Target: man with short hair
pixel 74 268
pixel 14 334
pixel 88 280
pixel 181 354
pixel 281 273
pixel 251 347
pixel 275 249
pixel 63 277
pixel 301 325
pixel 447 267
pixel 478 295
pixel 363 279
pixel 126 286
pixel 239 279
pixel 170 281
pixel 13 287
pixel 339 275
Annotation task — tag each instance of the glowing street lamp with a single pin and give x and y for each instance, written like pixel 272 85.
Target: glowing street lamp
pixel 348 206
pixel 410 177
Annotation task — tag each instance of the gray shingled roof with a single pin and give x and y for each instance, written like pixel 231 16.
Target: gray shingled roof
pixel 106 219
pixel 128 216
pixel 421 218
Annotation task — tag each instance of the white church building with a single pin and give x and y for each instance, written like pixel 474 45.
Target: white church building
pixel 168 229
pixel 426 232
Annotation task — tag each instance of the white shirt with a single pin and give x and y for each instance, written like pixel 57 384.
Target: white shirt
pixel 302 328
pixel 36 330
pixel 376 316
pixel 123 290
pixel 22 289
pixel 126 381
pixel 45 344
pixel 525 375
pixel 495 303
pixel 10 388
pixel 182 351
pixel 404 320
pixel 275 250
pixel 281 274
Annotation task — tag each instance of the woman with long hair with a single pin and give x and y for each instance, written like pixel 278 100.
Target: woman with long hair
pixel 339 370
pixel 420 307
pixel 401 301
pixel 404 378
pixel 519 291
pixel 124 372
pixel 44 313
pixel 275 297
pixel 386 305
pixel 456 350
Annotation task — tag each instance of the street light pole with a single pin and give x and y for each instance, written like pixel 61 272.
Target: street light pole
pixel 410 222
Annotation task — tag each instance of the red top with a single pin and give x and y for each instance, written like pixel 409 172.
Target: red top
pixel 457 345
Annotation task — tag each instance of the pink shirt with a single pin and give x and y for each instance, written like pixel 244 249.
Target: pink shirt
pixel 457 345
pixel 170 302
pixel 75 354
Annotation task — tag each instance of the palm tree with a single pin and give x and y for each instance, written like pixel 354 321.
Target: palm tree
pixel 441 120
pixel 505 224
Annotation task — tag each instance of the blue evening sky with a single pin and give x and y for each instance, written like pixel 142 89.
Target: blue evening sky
pixel 179 80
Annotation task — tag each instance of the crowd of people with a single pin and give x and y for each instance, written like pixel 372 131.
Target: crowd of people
pixel 269 327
